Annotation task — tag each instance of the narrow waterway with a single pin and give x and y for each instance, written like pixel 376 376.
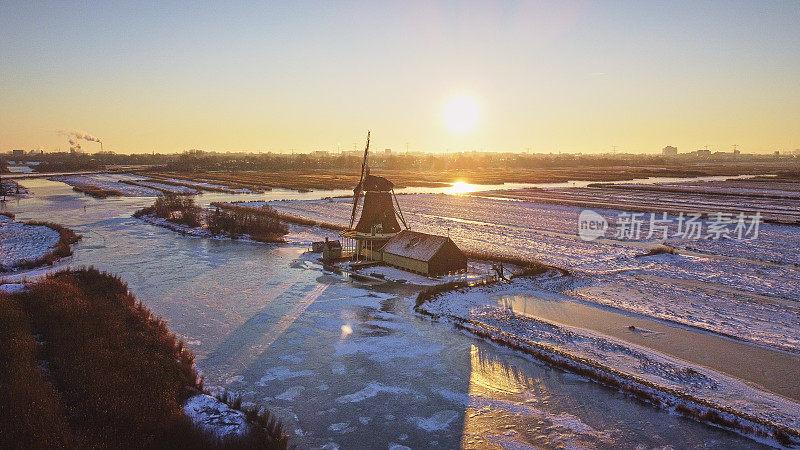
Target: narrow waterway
pixel 343 363
pixel 771 370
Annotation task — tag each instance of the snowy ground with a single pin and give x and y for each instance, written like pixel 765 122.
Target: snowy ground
pixel 20 242
pixel 161 187
pixel 199 185
pixel 749 289
pixel 481 309
pixel 216 417
pixel 475 272
pixel 20 167
pixel 776 205
pixel 11 189
pixel 11 288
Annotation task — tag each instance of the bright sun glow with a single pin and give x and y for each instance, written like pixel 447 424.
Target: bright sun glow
pixel 460 187
pixel 461 113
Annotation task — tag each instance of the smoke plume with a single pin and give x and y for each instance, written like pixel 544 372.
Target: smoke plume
pixel 74 137
pixel 74 145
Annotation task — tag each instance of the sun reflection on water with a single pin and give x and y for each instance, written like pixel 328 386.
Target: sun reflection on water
pixel 461 188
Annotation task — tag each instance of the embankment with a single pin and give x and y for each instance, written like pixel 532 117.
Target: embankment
pixel 86 365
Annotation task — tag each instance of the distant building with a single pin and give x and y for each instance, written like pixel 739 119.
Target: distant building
pixel 388 151
pixel 669 151
pixel 320 153
pixel 423 253
pixel 17 153
pixel 703 152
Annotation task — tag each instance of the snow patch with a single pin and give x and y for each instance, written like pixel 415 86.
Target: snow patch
pixel 20 242
pixel 214 416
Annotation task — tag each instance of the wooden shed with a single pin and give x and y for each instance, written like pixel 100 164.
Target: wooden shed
pixel 427 254
pixel 331 250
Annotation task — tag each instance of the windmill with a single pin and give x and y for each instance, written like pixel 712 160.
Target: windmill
pixel 379 215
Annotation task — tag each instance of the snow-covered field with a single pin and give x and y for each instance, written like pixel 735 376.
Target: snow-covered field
pixel 167 187
pixel 774 205
pixel 749 288
pixel 109 181
pixel 199 185
pixel 20 242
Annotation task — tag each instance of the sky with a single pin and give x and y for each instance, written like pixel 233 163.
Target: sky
pixel 566 76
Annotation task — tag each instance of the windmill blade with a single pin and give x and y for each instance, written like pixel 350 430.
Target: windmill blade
pixel 359 188
pixel 364 162
pixel 356 196
pixel 399 212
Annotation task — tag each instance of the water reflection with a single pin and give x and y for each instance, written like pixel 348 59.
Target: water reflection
pixel 460 188
pixel 507 408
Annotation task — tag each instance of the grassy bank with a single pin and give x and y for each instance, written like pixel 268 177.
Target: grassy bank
pixel 96 191
pixel 87 365
pixel 321 179
pixel 285 217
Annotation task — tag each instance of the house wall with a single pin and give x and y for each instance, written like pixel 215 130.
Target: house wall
pixel 402 262
pixel 448 259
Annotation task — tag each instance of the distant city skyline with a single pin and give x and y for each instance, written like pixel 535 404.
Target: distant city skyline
pixel 570 77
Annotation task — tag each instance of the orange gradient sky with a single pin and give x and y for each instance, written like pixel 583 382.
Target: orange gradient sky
pixel 303 76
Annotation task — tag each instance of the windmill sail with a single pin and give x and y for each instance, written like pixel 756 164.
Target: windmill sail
pixel 359 188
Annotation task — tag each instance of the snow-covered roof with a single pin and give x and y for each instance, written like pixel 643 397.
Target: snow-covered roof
pixel 415 245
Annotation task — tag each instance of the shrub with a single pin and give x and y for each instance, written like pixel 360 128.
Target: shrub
pixel 262 226
pixel 179 209
pixel 115 376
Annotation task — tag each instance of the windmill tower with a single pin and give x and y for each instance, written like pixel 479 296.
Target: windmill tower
pixel 379 215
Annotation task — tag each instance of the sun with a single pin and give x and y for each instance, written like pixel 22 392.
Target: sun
pixel 461 113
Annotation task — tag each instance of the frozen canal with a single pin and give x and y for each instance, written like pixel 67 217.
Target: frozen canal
pixel 346 364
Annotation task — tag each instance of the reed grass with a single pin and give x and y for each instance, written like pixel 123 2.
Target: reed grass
pixel 96 191
pixel 114 375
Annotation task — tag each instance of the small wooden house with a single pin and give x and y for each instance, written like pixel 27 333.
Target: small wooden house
pixel 426 254
pixel 332 250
